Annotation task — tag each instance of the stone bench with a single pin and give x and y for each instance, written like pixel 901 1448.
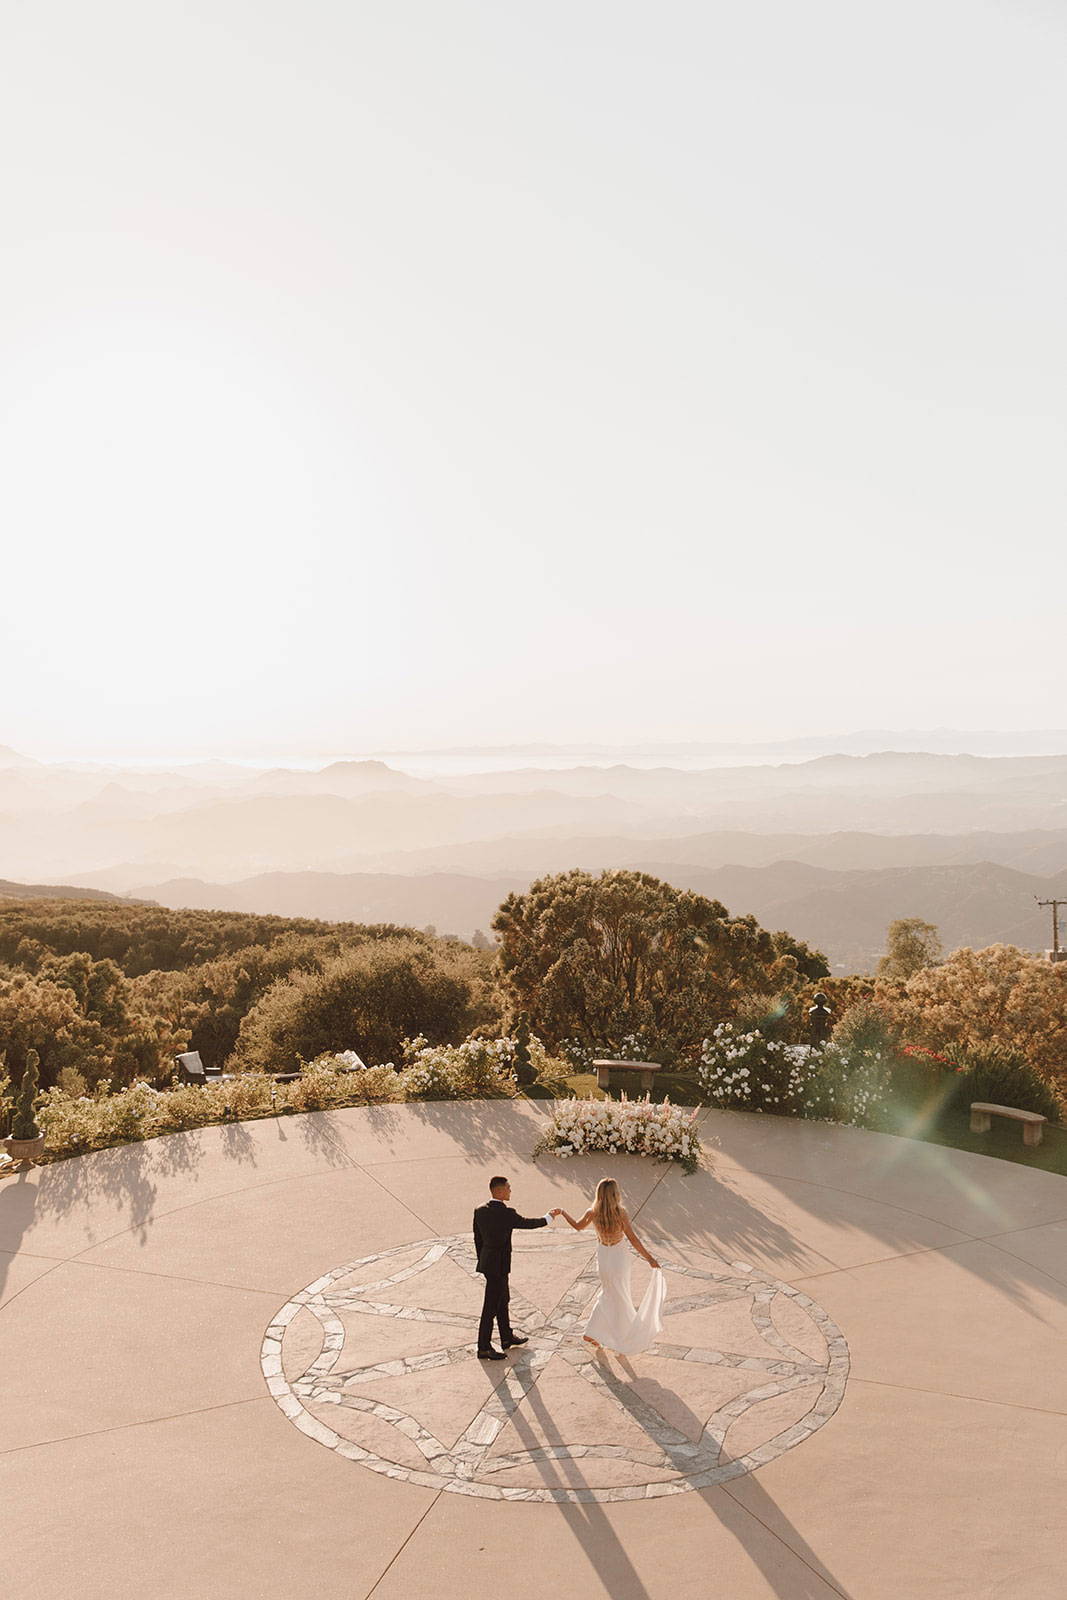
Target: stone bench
pixel 647 1069
pixel 1032 1123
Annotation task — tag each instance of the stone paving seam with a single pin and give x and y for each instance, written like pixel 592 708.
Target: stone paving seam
pixel 147 1272
pixel 190 1205
pixel 122 1427
pixel 862 1194
pixel 830 1584
pixel 13 1297
pixel 668 1167
pixel 420 1220
pixel 398 1553
pixel 1023 1261
pixel 1027 1227
pixel 940 1250
pixel 899 1255
pixel 951 1394
pixel 33 1255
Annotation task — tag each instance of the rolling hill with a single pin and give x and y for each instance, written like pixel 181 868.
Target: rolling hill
pixel 843 913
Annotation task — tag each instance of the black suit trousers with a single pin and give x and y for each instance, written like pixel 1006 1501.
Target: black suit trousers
pixel 494 1309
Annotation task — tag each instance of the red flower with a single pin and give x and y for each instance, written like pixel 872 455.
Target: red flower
pixel 931 1055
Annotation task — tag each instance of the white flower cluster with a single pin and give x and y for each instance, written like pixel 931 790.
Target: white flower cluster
pixel 633 1048
pixel 475 1069
pixel 577 1055
pixel 754 1072
pixel 856 1084
pixel 580 1056
pixel 631 1127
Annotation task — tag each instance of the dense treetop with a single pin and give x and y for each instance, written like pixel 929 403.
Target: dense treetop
pixel 600 958
pixel 142 939
pixel 114 991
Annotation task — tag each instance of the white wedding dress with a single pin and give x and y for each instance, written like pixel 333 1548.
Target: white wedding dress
pixel 614 1322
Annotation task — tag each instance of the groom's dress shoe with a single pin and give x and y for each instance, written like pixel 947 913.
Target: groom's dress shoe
pixel 490 1355
pixel 516 1338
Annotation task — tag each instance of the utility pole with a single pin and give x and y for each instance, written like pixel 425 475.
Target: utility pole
pixel 1055 954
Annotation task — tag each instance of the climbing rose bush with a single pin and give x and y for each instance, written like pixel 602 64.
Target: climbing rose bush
pixel 622 1127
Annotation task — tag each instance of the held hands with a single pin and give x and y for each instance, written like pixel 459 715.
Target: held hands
pixel 557 1211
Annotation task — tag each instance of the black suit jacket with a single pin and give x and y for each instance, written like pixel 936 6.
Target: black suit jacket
pixel 494 1223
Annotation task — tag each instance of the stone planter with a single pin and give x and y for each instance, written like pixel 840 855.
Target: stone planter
pixel 25 1149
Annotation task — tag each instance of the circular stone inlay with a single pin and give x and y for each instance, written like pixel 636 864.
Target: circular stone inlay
pixel 376 1360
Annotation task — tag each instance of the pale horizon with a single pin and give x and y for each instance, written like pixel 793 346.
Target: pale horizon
pixel 560 754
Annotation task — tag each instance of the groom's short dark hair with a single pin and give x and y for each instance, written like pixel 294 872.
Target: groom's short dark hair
pixel 497 1183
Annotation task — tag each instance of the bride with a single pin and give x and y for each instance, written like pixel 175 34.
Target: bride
pixel 614 1324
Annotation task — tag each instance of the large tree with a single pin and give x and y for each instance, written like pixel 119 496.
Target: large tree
pixel 1000 996
pixel 43 1016
pixel 370 1000
pixel 598 958
pixel 910 945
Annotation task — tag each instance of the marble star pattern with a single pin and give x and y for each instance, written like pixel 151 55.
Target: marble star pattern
pixel 746 1368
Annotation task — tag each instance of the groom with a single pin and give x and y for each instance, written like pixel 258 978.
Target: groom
pixel 494 1224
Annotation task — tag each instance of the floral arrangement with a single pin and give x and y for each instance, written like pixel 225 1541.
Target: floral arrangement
pixel 622 1127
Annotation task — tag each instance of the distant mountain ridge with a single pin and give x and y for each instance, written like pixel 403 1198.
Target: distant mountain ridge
pixel 830 848
pixel 1036 850
pixel 843 913
pixel 57 891
pixel 863 741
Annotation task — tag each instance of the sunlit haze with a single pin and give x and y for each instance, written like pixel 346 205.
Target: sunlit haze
pixel 393 376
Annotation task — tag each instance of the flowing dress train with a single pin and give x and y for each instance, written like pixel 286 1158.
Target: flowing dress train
pixel 614 1322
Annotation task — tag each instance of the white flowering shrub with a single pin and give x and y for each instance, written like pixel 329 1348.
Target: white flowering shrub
pixel 477 1069
pixel 850 1085
pixel 90 1121
pixel 747 1071
pixel 622 1127
pixel 578 1056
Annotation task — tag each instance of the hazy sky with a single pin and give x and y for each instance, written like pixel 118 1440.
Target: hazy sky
pixel 405 373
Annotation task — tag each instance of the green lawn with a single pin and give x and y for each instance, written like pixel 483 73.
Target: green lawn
pixel 935 1126
pixel 1004 1139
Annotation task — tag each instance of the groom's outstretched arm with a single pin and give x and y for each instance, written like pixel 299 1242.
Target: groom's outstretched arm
pixel 527 1222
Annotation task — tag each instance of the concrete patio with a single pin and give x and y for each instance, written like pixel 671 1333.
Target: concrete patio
pixel 240 1361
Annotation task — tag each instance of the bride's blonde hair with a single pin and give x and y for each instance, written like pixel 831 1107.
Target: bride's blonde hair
pixel 607 1207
